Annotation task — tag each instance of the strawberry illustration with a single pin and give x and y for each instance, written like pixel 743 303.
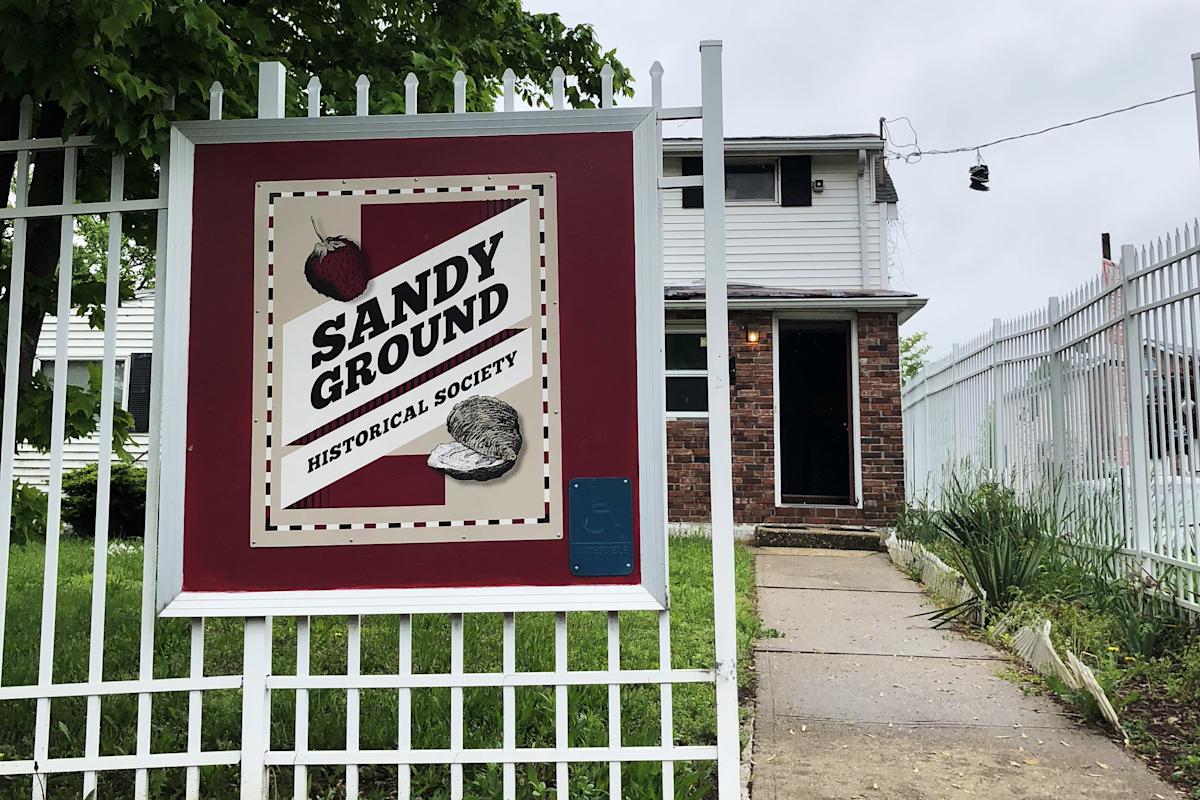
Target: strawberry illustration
pixel 336 267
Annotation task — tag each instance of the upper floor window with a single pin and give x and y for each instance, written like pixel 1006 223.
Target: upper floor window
pixel 751 182
pixel 785 181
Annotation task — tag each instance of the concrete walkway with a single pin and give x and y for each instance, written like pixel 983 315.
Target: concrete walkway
pixel 859 699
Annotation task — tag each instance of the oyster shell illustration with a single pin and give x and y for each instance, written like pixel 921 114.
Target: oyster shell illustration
pixel 487 425
pixel 487 440
pixel 462 463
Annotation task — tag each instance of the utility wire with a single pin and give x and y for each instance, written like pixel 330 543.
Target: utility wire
pixel 917 153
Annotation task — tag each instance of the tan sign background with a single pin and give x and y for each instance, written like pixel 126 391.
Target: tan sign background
pixel 509 508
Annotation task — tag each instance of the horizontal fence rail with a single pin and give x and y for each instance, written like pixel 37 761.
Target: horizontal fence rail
pixel 1096 394
pixel 140 706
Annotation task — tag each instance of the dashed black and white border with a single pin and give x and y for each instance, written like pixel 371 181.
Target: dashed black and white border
pixel 545 351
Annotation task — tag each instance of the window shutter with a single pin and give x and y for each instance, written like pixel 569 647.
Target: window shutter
pixel 795 181
pixel 139 390
pixel 693 196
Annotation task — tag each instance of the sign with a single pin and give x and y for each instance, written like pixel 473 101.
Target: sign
pixel 393 347
pixel 406 366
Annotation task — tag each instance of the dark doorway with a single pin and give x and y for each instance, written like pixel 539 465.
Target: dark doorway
pixel 815 406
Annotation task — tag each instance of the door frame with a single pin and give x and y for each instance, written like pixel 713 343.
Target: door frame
pixel 855 411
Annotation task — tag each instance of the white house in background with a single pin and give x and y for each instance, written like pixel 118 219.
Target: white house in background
pixel 813 330
pixel 85 346
pixel 814 336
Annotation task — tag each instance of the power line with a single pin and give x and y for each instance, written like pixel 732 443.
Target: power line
pixel 917 153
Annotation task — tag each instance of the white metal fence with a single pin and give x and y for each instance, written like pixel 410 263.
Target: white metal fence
pixel 151 693
pixel 1098 390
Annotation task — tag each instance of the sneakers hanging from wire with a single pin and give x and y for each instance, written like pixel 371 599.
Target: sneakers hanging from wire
pixel 979 174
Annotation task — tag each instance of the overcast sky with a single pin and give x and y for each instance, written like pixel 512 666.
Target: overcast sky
pixel 964 73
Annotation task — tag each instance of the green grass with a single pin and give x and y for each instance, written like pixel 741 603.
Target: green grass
pixel 692 647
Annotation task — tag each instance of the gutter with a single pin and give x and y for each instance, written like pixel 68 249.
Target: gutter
pixel 903 307
pixel 777 147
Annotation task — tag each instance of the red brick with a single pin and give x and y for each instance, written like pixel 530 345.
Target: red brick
pixel 753 424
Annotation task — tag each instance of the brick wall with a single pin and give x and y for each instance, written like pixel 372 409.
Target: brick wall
pixel 752 419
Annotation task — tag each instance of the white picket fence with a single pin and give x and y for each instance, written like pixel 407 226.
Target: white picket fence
pixel 1098 390
pixel 79 762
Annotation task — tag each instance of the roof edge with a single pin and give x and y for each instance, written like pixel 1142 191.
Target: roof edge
pixel 783 144
pixel 904 307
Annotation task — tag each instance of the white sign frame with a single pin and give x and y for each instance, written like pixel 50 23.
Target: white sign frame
pixel 175 282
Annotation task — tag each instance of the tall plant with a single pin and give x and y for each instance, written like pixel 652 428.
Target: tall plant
pixel 1002 543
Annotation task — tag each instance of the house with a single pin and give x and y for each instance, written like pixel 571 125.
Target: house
pixel 813 330
pixel 85 347
pixel 814 335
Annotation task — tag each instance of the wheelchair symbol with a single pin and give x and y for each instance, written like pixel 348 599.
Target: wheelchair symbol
pixel 600 519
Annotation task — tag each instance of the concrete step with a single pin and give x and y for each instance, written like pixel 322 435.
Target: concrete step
pixel 832 537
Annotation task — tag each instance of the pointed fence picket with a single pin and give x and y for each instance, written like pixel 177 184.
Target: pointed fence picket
pixel 262 766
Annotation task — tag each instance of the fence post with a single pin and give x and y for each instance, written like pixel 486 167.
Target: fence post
pixel 716 319
pixel 256 707
pixel 998 455
pixel 1058 427
pixel 1196 84
pixel 1135 402
pixel 925 451
pixel 256 655
pixel 272 89
pixel 953 460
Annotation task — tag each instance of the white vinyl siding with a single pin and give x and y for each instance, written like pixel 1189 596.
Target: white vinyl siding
pixel 807 247
pixel 135 334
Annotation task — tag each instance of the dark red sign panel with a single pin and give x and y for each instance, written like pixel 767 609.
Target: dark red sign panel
pixel 400 353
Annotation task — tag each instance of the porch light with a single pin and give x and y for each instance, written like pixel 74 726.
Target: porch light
pixel 752 335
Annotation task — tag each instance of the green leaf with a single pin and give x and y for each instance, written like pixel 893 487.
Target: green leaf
pixel 109 65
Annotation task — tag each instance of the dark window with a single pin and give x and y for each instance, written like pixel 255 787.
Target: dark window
pixel 750 182
pixel 686 350
pixel 687 381
pixel 746 181
pixel 687 395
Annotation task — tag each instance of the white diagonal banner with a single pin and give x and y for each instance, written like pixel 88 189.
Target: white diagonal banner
pixel 313 466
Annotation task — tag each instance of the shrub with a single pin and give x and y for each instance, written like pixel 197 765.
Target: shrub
pixel 127 501
pixel 1002 544
pixel 28 513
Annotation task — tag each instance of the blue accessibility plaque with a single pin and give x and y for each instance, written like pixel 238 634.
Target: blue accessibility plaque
pixel 600 526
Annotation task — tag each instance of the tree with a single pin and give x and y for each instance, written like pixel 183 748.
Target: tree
pixel 121 70
pixel 912 355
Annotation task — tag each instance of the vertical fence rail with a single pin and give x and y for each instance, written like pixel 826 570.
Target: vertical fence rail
pixel 104 473
pixel 716 320
pixel 58 412
pixel 249 749
pixel 1097 393
pixel 12 357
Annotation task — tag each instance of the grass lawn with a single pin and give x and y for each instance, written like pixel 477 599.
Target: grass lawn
pixel 692 644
